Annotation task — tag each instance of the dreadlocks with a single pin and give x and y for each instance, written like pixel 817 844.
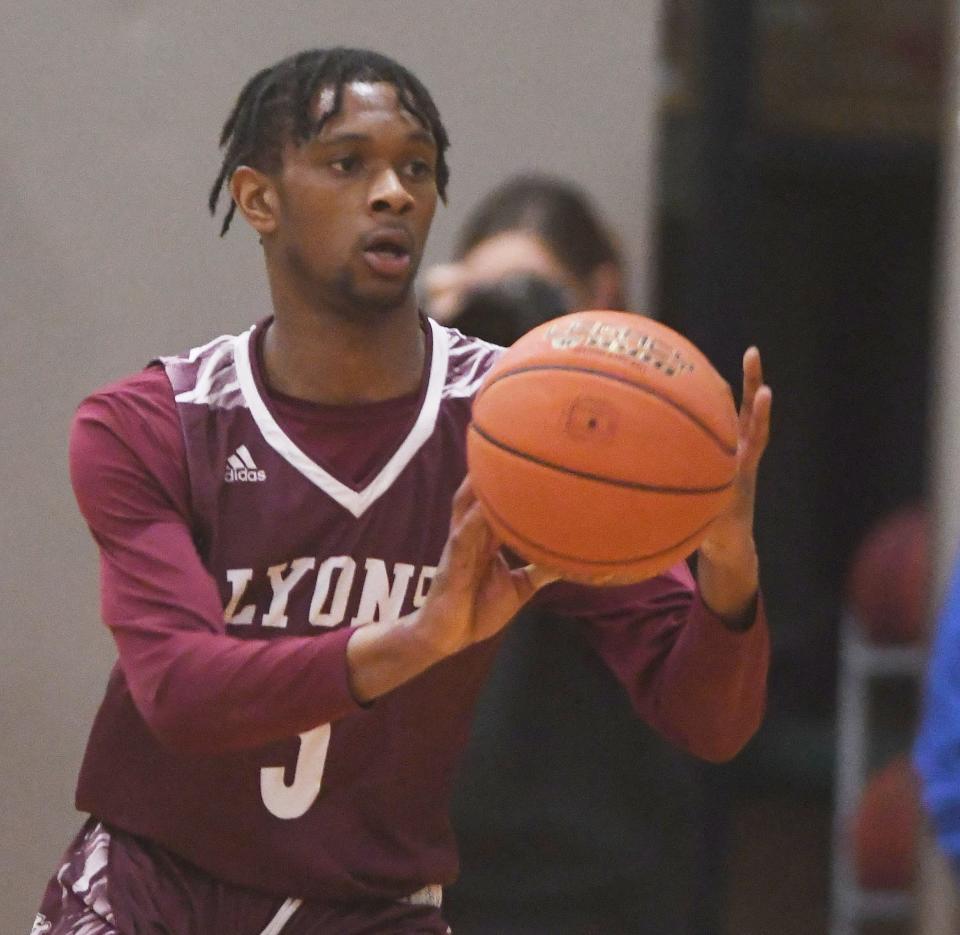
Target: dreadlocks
pixel 275 105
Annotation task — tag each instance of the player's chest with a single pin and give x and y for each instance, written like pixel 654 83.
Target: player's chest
pixel 297 548
pixel 299 563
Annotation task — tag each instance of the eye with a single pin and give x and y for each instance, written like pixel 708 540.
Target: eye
pixel 345 165
pixel 419 169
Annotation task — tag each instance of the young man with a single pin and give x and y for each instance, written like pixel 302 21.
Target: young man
pixel 301 586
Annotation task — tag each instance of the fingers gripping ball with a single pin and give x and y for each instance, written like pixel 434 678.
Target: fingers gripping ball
pixel 602 445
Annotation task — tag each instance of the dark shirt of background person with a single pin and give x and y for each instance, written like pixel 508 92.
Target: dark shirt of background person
pixel 572 816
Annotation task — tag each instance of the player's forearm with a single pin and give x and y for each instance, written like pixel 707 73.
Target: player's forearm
pixel 710 692
pixel 208 693
pixel 698 682
pixel 382 656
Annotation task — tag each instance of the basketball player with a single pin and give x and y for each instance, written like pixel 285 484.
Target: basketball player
pixel 303 592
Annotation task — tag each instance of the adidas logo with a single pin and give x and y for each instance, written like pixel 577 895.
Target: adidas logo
pixel 240 467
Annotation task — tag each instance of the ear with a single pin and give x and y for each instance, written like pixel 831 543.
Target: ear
pixel 606 287
pixel 255 196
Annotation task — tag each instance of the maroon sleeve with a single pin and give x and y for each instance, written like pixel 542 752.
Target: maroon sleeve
pixel 197 687
pixel 701 684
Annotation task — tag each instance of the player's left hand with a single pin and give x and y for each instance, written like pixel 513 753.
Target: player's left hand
pixel 727 567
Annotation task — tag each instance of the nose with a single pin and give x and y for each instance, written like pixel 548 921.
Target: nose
pixel 388 194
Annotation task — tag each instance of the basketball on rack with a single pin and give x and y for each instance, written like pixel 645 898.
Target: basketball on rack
pixel 886 828
pixel 888 584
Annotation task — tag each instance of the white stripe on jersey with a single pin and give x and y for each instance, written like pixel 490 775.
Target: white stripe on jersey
pixel 287 909
pixel 195 352
pixel 430 895
pixel 245 456
pixel 476 354
pixel 354 501
pixel 205 391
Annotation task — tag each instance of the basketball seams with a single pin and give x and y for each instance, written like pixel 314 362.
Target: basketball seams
pixel 586 471
pixel 598 563
pixel 706 429
pixel 599 478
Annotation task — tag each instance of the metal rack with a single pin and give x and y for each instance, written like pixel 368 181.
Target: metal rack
pixel 862 662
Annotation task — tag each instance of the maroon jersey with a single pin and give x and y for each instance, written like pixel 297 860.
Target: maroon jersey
pixel 243 537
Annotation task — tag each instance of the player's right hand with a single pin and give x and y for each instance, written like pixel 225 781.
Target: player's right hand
pixel 475 593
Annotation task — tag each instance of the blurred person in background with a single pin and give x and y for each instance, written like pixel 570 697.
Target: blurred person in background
pixel 535 225
pixel 937 749
pixel 572 816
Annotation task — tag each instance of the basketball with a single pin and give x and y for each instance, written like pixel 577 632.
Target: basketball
pixel 601 446
pixel 886 827
pixel 888 584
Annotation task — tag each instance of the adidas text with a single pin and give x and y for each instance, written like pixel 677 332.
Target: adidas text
pixel 244 474
pixel 241 467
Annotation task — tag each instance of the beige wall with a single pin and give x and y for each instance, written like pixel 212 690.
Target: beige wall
pixel 107 150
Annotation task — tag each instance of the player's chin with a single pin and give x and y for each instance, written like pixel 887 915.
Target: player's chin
pixel 385 300
pixel 385 293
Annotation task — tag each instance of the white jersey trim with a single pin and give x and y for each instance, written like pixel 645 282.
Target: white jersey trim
pixel 205 390
pixel 478 354
pixel 430 895
pixel 284 913
pixel 356 502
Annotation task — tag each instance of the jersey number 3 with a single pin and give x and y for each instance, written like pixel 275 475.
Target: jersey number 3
pixel 293 801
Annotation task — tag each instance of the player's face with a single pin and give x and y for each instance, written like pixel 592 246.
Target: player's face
pixel 357 201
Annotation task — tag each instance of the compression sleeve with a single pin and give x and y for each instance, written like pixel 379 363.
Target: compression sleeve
pixel 699 683
pixel 198 688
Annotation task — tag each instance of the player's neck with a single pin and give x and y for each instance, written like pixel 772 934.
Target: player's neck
pixel 339 360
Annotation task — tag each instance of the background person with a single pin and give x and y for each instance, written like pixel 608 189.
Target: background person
pixel 571 816
pixel 937 747
pixel 531 224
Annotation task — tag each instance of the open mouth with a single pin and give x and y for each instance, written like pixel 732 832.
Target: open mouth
pixel 388 254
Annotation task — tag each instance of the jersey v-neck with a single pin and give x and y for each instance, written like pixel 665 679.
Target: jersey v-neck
pixel 352 453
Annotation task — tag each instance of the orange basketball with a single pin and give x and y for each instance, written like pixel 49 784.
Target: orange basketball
pixel 602 444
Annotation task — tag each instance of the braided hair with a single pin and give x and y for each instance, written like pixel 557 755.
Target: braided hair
pixel 275 105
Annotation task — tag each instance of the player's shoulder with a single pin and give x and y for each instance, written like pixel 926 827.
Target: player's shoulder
pixel 126 428
pixel 145 402
pixel 146 393
pixel 208 375
pixel 468 360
